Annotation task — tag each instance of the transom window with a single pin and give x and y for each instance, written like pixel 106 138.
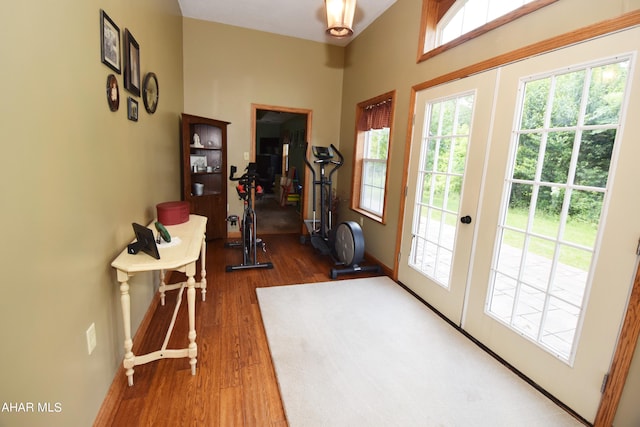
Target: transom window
pixel 448 23
pixel 467 15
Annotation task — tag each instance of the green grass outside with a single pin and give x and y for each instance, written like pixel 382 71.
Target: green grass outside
pixel 547 225
pixel 576 232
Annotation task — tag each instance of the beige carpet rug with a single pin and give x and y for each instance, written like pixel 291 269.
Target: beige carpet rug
pixel 364 352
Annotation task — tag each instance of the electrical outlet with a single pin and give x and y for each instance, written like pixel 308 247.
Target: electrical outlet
pixel 361 221
pixel 91 338
pixel 246 155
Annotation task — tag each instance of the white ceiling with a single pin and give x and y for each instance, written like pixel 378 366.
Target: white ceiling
pixel 303 19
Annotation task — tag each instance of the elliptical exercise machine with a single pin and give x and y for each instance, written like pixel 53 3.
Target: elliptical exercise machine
pixel 249 242
pixel 345 244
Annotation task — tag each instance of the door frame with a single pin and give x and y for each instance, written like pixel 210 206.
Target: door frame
pixel 252 152
pixel 623 356
pixel 630 330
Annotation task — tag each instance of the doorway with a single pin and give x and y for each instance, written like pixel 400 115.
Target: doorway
pixel 522 180
pixel 280 134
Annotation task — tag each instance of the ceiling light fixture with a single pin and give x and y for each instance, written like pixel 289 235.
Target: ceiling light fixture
pixel 340 17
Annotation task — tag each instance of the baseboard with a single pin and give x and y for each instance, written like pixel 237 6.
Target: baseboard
pixel 370 259
pixel 233 235
pixel 119 383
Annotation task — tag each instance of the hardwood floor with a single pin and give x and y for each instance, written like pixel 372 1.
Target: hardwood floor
pixel 276 219
pixel 235 383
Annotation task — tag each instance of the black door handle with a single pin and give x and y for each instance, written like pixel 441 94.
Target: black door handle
pixel 465 219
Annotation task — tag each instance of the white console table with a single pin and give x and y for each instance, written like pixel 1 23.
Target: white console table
pixel 178 257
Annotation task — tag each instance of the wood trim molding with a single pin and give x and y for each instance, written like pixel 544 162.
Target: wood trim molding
pixel 430 17
pixel 627 342
pixel 405 181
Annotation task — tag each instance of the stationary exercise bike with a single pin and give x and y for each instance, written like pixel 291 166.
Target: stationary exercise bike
pixel 345 243
pixel 249 242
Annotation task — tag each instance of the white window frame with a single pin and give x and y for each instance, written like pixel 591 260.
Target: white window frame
pixel 370 182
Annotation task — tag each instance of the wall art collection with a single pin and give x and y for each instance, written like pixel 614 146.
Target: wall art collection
pixel 117 55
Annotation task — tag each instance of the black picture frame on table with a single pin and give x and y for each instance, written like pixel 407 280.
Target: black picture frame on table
pixel 131 63
pixel 109 42
pixel 132 109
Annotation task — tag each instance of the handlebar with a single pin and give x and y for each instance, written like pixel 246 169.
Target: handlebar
pixel 247 182
pixel 324 156
pixel 337 163
pixel 247 177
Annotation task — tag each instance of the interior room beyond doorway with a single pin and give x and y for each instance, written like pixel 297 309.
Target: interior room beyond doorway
pixel 279 150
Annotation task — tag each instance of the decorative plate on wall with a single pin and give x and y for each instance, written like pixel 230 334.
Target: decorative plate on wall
pixel 113 92
pixel 150 92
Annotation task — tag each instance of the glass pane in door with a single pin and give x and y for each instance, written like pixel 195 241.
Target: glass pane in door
pixel 439 185
pixel 555 194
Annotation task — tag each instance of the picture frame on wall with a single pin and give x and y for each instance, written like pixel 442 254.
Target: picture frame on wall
pixel 131 63
pixel 132 109
pixel 109 42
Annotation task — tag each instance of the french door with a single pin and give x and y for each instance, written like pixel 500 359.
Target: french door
pixel 451 130
pixel 531 246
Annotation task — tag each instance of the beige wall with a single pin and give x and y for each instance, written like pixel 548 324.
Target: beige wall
pixel 74 177
pixel 227 68
pixel 383 58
